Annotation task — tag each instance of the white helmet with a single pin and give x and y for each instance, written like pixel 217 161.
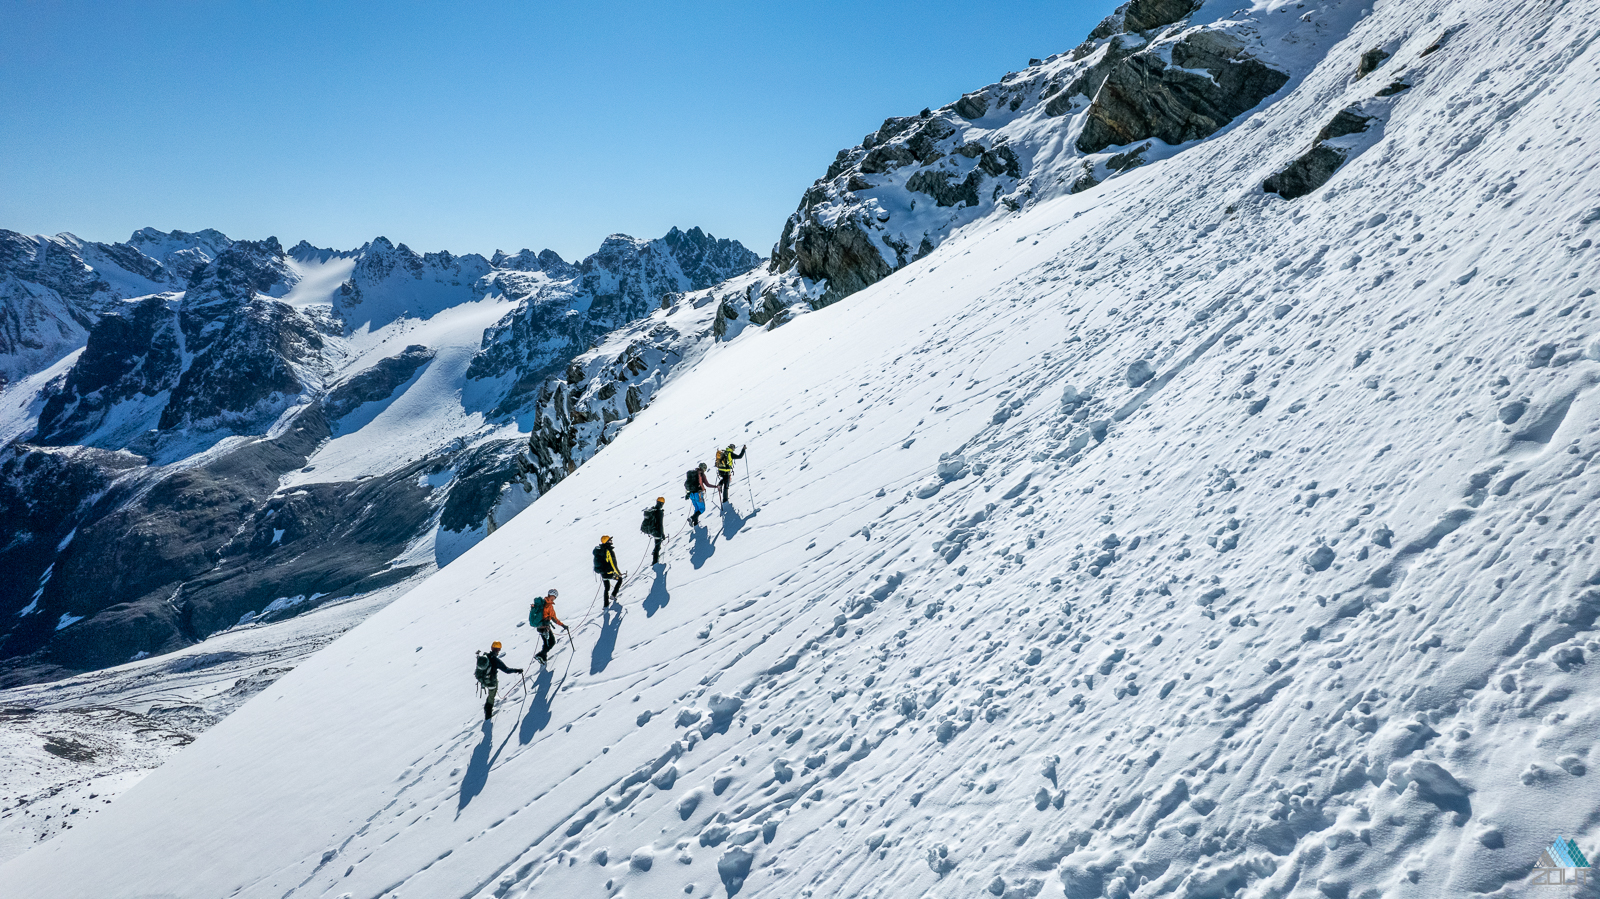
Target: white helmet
pixel 554 593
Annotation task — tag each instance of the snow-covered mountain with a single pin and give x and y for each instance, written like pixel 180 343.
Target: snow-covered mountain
pixel 243 431
pixel 1172 537
pixel 52 289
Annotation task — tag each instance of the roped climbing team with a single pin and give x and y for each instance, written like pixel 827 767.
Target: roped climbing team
pixel 542 613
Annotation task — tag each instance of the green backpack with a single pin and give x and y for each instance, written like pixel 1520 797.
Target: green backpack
pixel 484 670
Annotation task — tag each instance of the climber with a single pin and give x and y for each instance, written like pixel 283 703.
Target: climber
pixel 696 482
pixel 488 673
pixel 725 459
pixel 605 565
pixel 654 525
pixel 541 615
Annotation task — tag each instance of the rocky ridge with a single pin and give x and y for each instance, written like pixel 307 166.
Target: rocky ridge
pixel 1152 79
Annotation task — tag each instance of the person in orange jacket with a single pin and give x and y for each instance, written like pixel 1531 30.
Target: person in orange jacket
pixel 542 615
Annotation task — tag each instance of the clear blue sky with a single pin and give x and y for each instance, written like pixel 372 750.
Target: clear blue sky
pixel 470 127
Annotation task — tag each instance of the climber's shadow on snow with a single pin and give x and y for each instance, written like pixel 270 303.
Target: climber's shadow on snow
pixel 537 715
pixel 478 769
pixel 732 521
pixel 702 548
pixel 605 646
pixel 659 597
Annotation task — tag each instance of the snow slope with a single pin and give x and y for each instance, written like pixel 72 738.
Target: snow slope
pixel 1291 594
pixel 69 748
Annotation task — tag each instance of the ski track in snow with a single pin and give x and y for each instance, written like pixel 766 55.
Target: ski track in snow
pixel 1300 606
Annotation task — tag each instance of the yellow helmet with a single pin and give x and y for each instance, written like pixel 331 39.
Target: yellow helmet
pixel 495 645
pixel 605 539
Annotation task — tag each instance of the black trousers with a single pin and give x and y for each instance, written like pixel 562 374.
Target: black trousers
pixel 549 635
pixel 727 478
pixel 655 554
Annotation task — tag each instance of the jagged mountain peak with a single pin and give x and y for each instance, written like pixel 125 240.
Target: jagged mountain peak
pixel 243 269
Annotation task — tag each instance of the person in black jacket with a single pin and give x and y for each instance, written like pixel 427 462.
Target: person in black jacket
pixel 605 565
pixel 492 681
pixel 655 526
pixel 725 459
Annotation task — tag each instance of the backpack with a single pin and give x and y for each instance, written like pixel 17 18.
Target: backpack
pixel 651 525
pixel 600 565
pixel 691 481
pixel 484 670
pixel 724 459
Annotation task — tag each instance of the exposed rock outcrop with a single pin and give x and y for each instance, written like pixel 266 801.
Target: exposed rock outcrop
pixel 1313 168
pixel 1144 97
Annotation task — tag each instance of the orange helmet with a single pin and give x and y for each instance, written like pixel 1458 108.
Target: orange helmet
pixel 495 645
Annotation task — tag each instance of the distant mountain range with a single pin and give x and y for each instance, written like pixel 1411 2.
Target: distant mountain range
pixel 204 431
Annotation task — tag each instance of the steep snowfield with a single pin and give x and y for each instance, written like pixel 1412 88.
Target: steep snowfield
pixel 1291 594
pixel 427 413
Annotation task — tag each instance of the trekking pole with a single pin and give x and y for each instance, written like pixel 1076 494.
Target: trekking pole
pixel 752 490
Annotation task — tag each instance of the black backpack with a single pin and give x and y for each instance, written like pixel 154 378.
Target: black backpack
pixel 600 565
pixel 484 671
pixel 691 481
pixel 651 526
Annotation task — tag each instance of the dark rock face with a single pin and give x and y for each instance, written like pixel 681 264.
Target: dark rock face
pixel 1147 15
pixel 841 249
pixel 1075 94
pixel 44 496
pixel 843 255
pixel 244 376
pixel 1314 167
pixel 161 559
pixel 130 353
pixel 944 189
pixel 1307 173
pixel 482 473
pixel 972 106
pixel 1347 122
pixel 1143 15
pixel 1144 98
pixel 1370 61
